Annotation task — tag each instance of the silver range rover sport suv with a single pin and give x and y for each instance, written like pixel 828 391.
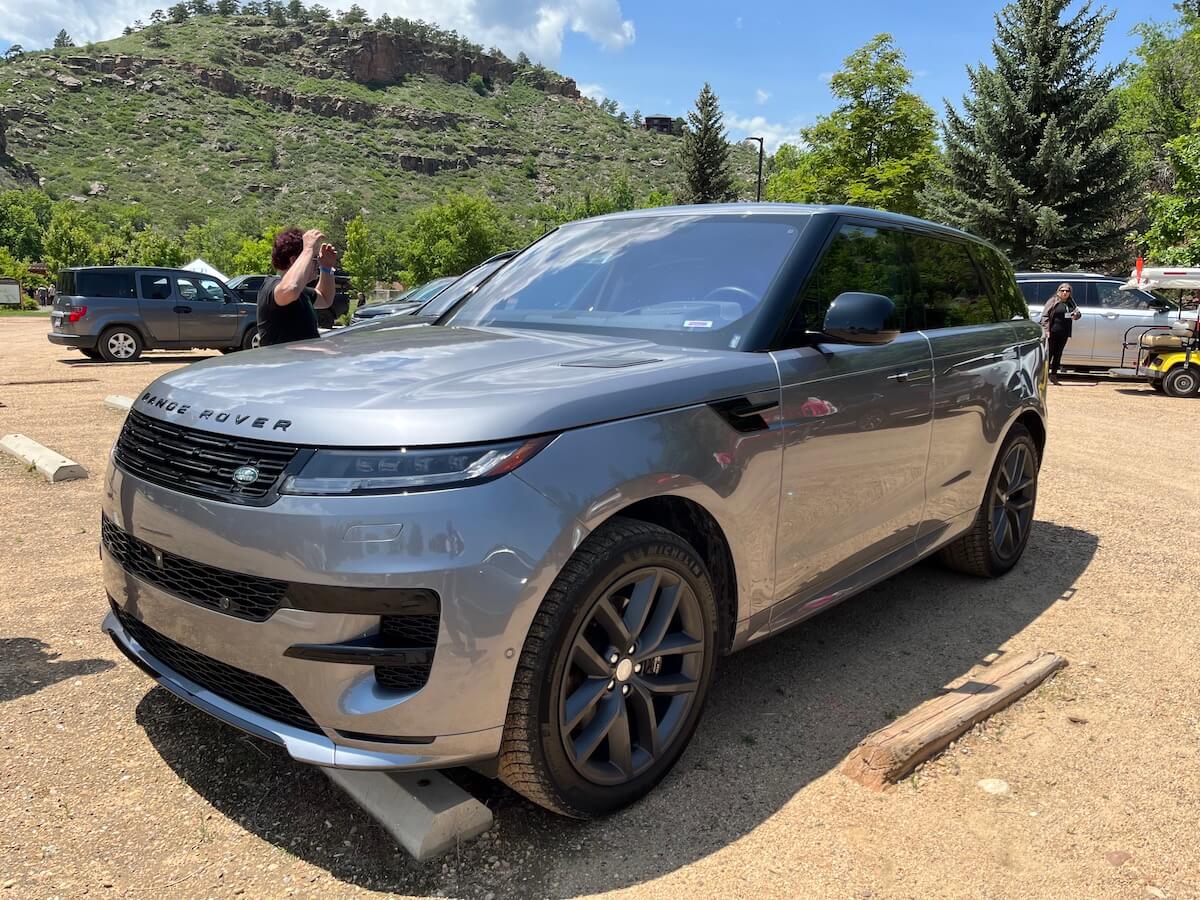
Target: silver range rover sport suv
pixel 521 537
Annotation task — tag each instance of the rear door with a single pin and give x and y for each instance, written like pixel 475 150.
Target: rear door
pixel 157 306
pixel 1083 331
pixel 205 319
pixel 975 365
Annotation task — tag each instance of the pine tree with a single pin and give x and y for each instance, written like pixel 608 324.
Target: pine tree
pixel 62 39
pixel 706 152
pixel 1033 162
pixel 637 118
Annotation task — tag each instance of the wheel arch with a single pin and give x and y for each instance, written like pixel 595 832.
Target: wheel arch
pixel 1036 426
pixel 697 526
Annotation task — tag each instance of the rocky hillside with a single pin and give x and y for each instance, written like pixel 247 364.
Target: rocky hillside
pixel 235 119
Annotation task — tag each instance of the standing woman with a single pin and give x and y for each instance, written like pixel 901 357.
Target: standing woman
pixel 1058 314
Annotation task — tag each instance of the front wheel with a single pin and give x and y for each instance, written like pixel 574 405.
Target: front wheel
pixel 1001 530
pixel 614 672
pixel 1182 381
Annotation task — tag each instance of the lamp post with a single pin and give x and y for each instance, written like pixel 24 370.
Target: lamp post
pixel 758 193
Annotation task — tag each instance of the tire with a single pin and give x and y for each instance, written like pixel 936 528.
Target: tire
pixel 990 549
pixel 250 338
pixel 1158 385
pixel 567 663
pixel 1182 381
pixel 90 354
pixel 120 344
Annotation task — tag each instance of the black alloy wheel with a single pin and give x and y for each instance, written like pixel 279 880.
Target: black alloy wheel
pixel 1013 496
pixel 613 675
pixel 632 675
pixel 1001 529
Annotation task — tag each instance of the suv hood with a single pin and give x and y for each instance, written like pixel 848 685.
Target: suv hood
pixel 411 385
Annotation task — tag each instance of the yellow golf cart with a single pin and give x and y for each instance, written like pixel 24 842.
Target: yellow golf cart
pixel 1168 356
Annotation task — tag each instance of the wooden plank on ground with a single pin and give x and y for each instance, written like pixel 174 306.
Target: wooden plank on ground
pixel 887 755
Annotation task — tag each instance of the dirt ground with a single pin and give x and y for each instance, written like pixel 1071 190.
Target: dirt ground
pixel 110 786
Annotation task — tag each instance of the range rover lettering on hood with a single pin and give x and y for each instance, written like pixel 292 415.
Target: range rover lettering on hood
pixel 217 415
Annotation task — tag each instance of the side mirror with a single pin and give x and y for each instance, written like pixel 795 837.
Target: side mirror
pixel 856 318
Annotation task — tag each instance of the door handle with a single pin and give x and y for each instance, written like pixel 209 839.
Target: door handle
pixel 183 309
pixel 904 377
pixel 1110 315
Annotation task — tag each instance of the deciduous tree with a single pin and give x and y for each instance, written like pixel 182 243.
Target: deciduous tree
pixel 876 149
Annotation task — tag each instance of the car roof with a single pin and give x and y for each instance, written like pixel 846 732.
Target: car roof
pixel 134 269
pixel 788 209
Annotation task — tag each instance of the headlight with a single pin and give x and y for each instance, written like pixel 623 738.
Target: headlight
pixel 343 472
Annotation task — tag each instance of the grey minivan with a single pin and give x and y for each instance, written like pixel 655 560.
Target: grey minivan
pixel 116 312
pixel 521 540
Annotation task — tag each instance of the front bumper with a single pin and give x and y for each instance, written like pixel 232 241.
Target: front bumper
pixel 78 341
pixel 489 574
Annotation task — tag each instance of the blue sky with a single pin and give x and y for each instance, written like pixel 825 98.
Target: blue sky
pixel 769 62
pixel 787 51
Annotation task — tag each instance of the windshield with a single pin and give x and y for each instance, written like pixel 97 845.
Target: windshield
pixel 694 280
pixel 467 283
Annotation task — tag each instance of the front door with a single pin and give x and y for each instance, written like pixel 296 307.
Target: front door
pixel 205 319
pixel 1124 316
pixel 856 430
pixel 157 306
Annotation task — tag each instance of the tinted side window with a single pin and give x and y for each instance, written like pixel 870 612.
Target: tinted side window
pixel 156 287
pixel 861 259
pixel 949 291
pixel 1011 301
pixel 66 283
pixel 105 284
pixel 1032 292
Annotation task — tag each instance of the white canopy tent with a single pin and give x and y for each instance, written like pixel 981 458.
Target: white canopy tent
pixel 199 265
pixel 1172 278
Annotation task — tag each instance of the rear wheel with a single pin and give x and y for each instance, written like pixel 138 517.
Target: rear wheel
pixel 250 339
pixel 1182 381
pixel 120 344
pixel 1001 530
pixel 613 674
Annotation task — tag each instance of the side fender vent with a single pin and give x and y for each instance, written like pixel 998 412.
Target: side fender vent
pixel 742 415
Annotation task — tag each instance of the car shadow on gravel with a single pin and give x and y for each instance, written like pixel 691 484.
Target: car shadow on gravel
pixel 780 715
pixel 27 665
pixel 176 360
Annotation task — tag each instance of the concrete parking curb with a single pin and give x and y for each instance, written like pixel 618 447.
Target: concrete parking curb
pixel 426 812
pixel 53 466
pixel 118 401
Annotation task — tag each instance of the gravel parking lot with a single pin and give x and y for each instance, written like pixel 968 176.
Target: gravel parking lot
pixel 110 786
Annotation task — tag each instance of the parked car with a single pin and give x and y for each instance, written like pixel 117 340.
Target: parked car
pixel 247 286
pixel 443 301
pixel 523 537
pixel 408 301
pixel 1113 313
pixel 116 312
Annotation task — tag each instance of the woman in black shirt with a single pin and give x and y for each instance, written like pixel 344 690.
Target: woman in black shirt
pixel 1060 311
pixel 287 307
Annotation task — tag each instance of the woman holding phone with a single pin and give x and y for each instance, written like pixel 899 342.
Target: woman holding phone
pixel 1058 314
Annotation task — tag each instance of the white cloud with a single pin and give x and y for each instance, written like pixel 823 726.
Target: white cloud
pixel 773 133
pixel 592 91
pixel 534 26
pixel 761 96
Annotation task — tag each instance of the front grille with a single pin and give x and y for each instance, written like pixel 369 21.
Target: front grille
pixel 415 631
pixel 245 596
pixel 200 462
pixel 261 695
